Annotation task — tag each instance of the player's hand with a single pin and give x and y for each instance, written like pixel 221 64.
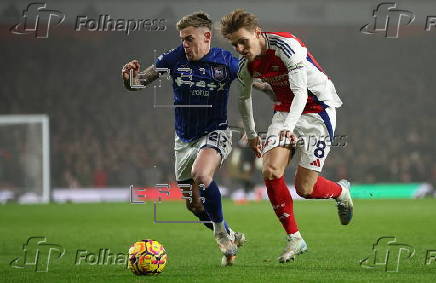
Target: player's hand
pixel 287 137
pixel 132 65
pixel 256 145
pixel 243 141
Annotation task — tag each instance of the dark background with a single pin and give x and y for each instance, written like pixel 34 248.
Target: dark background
pixel 103 135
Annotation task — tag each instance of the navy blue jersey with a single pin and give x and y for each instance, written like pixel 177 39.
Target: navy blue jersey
pixel 197 85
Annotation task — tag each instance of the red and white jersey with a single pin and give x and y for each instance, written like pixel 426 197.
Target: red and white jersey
pixel 290 69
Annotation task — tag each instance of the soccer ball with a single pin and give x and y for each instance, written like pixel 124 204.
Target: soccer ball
pixel 147 257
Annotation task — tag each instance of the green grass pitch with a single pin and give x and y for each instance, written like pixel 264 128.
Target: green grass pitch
pixel 334 250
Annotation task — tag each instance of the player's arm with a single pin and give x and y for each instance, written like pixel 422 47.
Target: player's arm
pixel 298 84
pixel 144 78
pixel 245 107
pixel 265 88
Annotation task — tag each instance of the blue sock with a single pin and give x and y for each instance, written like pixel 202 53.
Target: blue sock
pixel 203 216
pixel 212 202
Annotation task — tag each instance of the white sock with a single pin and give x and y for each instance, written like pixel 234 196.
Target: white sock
pixel 218 227
pixel 295 235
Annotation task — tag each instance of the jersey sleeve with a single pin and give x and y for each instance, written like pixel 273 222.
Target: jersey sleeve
pixel 244 76
pixel 167 60
pixel 290 51
pixel 245 105
pixel 293 55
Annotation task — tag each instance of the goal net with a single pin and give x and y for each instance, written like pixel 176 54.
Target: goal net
pixel 24 158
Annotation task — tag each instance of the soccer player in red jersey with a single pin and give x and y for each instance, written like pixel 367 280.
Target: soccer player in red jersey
pixel 303 123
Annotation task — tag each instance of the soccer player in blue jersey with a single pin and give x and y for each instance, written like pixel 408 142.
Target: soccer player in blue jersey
pixel 201 81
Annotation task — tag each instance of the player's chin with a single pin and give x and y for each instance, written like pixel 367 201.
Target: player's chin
pixel 190 57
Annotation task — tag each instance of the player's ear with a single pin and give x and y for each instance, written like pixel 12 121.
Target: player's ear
pixel 258 32
pixel 208 36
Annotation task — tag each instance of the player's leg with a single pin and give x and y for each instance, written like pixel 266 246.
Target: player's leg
pixel 310 185
pixel 185 154
pixel 203 170
pixel 275 162
pixel 212 150
pixel 194 203
pixel 215 147
pixel 313 153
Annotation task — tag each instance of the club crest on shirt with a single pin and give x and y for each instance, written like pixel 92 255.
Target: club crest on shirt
pixel 219 73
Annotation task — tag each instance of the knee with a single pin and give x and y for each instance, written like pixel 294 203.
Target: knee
pixel 201 178
pixel 270 172
pixel 303 189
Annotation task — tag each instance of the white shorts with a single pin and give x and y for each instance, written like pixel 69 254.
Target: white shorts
pixel 186 152
pixel 315 132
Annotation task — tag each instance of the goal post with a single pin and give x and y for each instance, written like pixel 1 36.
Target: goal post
pixel 25 158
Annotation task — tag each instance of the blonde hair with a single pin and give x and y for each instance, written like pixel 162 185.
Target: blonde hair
pixel 196 19
pixel 238 19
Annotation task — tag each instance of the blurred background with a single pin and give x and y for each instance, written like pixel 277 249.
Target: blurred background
pixel 102 136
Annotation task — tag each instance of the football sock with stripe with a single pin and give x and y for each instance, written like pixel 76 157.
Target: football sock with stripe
pixel 282 203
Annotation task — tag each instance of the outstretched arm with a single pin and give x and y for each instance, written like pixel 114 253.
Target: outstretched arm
pixel 139 78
